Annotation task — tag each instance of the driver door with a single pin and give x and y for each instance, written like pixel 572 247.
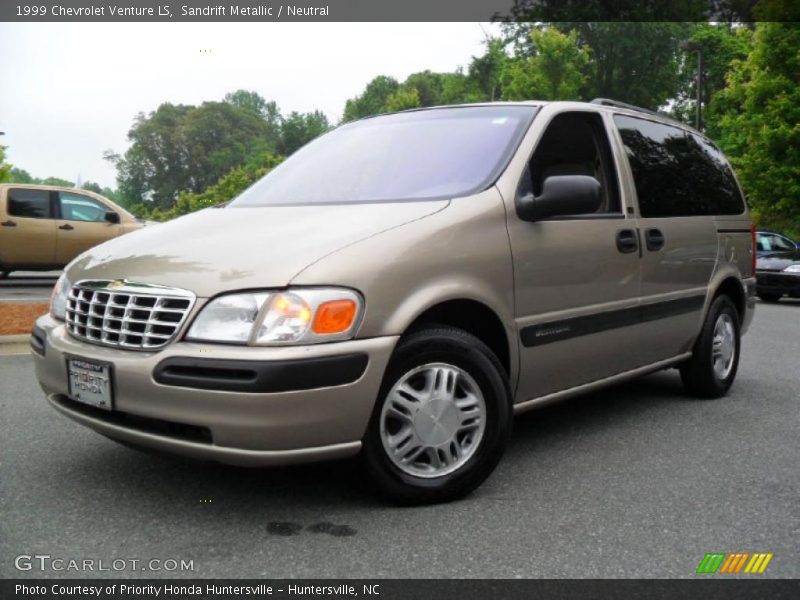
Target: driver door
pixel 576 276
pixel 82 225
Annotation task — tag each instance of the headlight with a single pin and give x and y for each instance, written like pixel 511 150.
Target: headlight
pixel 296 316
pixel 59 297
pixel 792 269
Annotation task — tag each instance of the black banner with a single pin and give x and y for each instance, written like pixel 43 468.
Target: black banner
pixel 391 589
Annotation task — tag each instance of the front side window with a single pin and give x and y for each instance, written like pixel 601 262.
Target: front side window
pixel 773 243
pixel 417 155
pixel 677 173
pixel 77 207
pixel 575 143
pixel 31 204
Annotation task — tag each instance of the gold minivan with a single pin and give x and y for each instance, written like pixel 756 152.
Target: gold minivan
pixel 44 227
pixel 402 286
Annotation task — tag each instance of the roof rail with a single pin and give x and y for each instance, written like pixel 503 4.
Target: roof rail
pixel 618 104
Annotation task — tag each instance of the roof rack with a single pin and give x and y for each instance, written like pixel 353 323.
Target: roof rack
pixel 618 104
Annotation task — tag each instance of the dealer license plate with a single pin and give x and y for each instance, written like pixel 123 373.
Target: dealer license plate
pixel 90 383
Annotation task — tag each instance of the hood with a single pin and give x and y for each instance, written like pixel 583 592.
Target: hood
pixel 221 249
pixel 777 261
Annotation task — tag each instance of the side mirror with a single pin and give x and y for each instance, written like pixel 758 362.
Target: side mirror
pixel 112 217
pixel 561 195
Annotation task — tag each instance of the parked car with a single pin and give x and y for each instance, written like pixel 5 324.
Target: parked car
pixel 403 285
pixel 769 241
pixel 44 227
pixel 777 275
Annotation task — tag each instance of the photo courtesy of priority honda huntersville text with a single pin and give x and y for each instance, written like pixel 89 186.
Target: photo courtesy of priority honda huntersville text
pixel 400 287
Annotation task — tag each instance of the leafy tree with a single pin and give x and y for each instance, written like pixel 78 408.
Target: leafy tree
pixel 721 44
pixel 91 186
pixel 256 104
pixel 757 122
pixel 186 148
pixel 5 168
pixel 403 99
pixel 484 73
pixel 635 62
pixel 552 70
pixel 57 181
pixel 300 128
pixel 373 100
pixel 21 176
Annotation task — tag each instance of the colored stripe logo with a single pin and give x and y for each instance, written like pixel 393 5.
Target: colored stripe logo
pixel 734 562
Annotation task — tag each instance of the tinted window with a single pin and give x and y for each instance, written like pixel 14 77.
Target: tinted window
pixel 440 153
pixel 34 204
pixel 677 173
pixel 76 207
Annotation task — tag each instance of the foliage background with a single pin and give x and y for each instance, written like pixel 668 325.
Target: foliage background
pixel 183 158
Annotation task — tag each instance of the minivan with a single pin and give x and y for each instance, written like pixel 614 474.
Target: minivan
pixel 402 286
pixel 43 227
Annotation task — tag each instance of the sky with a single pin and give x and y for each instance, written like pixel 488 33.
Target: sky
pixel 72 90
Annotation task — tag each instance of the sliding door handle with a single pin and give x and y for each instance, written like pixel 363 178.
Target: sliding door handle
pixel 653 239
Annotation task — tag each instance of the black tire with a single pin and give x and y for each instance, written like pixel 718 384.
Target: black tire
pixel 442 344
pixel 697 374
pixel 770 297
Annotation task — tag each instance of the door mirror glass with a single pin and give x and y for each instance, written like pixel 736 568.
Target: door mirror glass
pixel 561 195
pixel 112 217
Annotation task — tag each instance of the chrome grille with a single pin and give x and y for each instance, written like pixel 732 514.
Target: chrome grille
pixel 125 314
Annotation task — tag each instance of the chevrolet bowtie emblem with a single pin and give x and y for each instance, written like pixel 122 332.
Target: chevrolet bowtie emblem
pixel 115 285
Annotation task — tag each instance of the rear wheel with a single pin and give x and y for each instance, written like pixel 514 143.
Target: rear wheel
pixel 711 370
pixel 770 297
pixel 442 419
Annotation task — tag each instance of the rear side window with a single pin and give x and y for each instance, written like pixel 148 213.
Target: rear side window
pixel 33 204
pixel 677 173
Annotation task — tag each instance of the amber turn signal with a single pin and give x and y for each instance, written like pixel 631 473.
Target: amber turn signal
pixel 336 316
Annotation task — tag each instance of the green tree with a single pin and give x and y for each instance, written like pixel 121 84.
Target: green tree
pixel 21 176
pixel 721 44
pixel 186 148
pixel 5 168
pixel 485 72
pixel 403 99
pixel 256 104
pixel 756 120
pixel 91 186
pixel 57 181
pixel 373 100
pixel 300 128
pixel 552 70
pixel 635 62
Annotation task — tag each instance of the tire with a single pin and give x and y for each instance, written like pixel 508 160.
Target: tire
pixel 702 375
pixel 770 297
pixel 460 368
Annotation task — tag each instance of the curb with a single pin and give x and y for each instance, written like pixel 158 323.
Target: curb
pixel 15 344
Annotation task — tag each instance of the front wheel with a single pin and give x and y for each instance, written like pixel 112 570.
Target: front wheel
pixel 711 370
pixel 442 419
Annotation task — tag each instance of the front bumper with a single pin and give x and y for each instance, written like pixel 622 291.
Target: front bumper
pixel 317 418
pixel 778 282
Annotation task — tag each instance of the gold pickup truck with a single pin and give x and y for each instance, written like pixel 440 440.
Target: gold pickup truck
pixel 44 227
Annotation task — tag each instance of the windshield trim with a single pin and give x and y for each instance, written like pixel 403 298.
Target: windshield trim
pixel 489 181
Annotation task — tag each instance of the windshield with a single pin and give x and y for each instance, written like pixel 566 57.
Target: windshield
pixel 440 153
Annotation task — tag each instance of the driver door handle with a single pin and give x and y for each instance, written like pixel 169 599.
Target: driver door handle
pixel 66 227
pixel 9 223
pixel 627 241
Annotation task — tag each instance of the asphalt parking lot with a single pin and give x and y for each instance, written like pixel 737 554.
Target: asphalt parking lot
pixel 26 287
pixel 634 481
